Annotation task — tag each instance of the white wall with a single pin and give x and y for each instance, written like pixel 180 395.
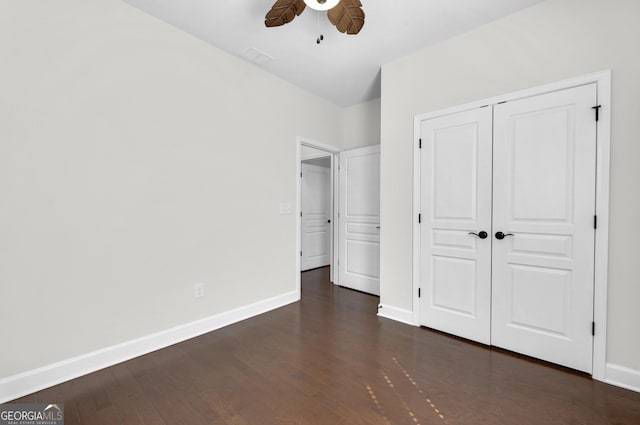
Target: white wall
pixel 136 161
pixel 361 125
pixel 552 41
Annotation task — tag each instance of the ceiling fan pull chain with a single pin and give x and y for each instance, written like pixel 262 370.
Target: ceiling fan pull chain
pixel 320 37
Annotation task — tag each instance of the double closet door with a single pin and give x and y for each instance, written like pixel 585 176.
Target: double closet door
pixel 507 200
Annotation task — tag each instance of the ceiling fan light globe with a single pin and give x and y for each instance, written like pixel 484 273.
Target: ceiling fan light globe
pixel 322 4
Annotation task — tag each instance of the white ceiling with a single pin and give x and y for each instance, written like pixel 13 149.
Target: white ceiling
pixel 343 69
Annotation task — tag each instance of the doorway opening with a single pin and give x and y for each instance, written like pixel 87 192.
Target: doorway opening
pixel 317 207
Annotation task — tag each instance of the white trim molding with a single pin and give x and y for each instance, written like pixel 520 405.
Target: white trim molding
pixel 624 377
pixel 603 81
pixel 25 383
pixel 397 314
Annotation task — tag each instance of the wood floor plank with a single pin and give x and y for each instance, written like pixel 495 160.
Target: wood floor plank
pixel 329 359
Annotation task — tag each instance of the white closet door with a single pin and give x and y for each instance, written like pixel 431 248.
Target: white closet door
pixel 455 202
pixel 544 199
pixel 316 213
pixel 359 257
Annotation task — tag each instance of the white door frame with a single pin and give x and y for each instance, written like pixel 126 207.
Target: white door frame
pixel 333 154
pixel 603 136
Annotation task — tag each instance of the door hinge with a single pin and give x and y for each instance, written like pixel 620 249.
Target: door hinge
pixel 419 143
pixel 300 175
pixel 419 218
pixel 300 213
pixel 595 221
pixel 593 328
pixel 597 109
pixel 419 292
pixel 301 253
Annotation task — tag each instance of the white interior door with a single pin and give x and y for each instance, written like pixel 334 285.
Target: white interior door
pixel 316 216
pixel 527 177
pixel 359 257
pixel 455 203
pixel 544 196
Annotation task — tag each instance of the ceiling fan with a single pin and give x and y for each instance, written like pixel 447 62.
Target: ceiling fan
pixel 346 15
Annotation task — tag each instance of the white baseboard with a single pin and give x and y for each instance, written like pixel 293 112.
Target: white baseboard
pixel 624 377
pixel 25 383
pixel 397 314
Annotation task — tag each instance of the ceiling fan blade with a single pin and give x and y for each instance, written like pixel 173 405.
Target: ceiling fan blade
pixel 283 12
pixel 347 16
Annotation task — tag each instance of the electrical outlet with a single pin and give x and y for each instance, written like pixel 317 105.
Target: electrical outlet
pixel 198 290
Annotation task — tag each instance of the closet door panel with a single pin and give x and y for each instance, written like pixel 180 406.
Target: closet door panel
pixel 455 203
pixel 543 201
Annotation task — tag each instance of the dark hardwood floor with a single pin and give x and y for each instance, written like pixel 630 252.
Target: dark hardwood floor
pixel 330 360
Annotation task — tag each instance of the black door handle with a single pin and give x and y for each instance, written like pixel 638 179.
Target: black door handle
pixel 482 234
pixel 328 221
pixel 500 235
